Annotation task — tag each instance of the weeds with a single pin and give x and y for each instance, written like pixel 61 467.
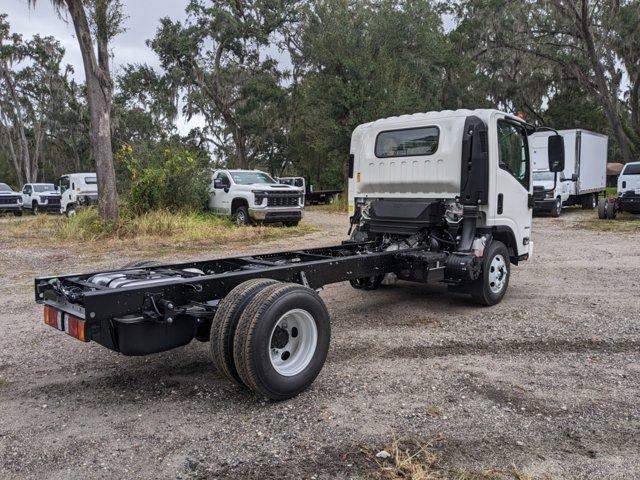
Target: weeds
pixel 339 206
pixel 420 462
pixel 155 228
pixel 4 382
pixel 624 223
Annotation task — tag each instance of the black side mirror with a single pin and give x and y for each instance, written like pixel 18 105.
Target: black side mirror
pixel 556 153
pixel 217 184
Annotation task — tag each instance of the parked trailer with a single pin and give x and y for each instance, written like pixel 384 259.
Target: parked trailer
pixel 584 177
pixel 462 218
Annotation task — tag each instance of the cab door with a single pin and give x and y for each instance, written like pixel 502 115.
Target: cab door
pixel 220 202
pixel 513 181
pixel 26 196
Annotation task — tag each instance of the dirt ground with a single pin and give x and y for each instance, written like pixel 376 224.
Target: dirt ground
pixel 547 382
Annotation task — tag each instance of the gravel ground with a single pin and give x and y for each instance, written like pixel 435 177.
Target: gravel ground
pixel 547 382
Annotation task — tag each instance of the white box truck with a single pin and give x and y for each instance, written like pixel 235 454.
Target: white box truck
pixel 584 177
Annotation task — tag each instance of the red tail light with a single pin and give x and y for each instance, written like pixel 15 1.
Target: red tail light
pixel 73 326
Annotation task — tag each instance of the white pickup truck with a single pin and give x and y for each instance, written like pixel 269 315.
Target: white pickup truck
pixel 252 195
pixel 40 197
pixel 628 198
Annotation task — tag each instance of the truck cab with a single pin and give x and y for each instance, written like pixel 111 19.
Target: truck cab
pixel 39 197
pixel 440 168
pixel 253 195
pixel 629 188
pixel 551 192
pixel 77 190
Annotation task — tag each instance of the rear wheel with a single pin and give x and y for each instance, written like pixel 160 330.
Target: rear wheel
pixel 282 340
pixel 492 285
pixel 602 209
pixel 610 211
pixel 225 322
pixel 590 201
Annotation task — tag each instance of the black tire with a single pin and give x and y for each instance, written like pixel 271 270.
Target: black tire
pixel 589 202
pixel 253 342
pixel 367 283
pixel 71 210
pixel 225 322
pixel 610 211
pixel 17 213
pixel 556 211
pixel 482 290
pixel 293 223
pixel 602 209
pixel 241 216
pixel 35 208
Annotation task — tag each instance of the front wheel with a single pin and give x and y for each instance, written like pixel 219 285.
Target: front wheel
pixel 241 216
pixel 17 213
pixel 492 285
pixel 71 211
pixel 35 208
pixel 293 223
pixel 557 208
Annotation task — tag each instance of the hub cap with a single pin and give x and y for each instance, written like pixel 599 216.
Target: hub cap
pixel 497 274
pixel 293 342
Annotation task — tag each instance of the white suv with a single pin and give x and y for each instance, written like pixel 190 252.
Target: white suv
pixel 40 197
pixel 248 195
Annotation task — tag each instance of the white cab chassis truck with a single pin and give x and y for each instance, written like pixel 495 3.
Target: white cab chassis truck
pixel 628 198
pixel 435 197
pixel 584 177
pixel 77 190
pixel 252 195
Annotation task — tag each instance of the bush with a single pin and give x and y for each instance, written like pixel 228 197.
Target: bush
pixel 175 181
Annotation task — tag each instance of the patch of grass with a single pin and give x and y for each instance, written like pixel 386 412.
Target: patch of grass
pixel 155 228
pixel 4 382
pixel 420 462
pixel 434 410
pixel 623 223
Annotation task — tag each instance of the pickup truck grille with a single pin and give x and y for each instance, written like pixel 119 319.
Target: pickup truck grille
pixel 9 200
pixel 53 201
pixel 283 200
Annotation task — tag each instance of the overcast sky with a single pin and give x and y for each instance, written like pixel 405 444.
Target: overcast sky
pixel 129 47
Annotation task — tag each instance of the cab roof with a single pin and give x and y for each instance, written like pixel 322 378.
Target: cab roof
pixel 421 118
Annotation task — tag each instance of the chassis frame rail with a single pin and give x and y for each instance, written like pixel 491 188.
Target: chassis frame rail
pixel 313 267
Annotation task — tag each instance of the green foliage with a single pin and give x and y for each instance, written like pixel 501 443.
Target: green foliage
pixel 176 180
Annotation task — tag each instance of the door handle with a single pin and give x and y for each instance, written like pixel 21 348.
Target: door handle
pixel 500 203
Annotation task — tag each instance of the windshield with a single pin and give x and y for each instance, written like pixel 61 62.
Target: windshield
pixel 247 178
pixel 632 169
pixel 47 187
pixel 544 176
pixel 4 188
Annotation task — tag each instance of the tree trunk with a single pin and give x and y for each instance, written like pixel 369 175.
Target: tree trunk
pixel 99 95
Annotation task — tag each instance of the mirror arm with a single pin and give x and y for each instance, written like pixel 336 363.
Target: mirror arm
pixel 547 129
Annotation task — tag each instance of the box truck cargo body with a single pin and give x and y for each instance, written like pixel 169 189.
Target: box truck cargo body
pixel 584 177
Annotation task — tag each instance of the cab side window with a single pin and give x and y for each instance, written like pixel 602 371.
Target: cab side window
pixel 26 190
pixel 514 151
pixel 64 185
pixel 224 178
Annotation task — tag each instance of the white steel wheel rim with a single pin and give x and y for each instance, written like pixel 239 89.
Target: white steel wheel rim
pixel 497 274
pixel 293 342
